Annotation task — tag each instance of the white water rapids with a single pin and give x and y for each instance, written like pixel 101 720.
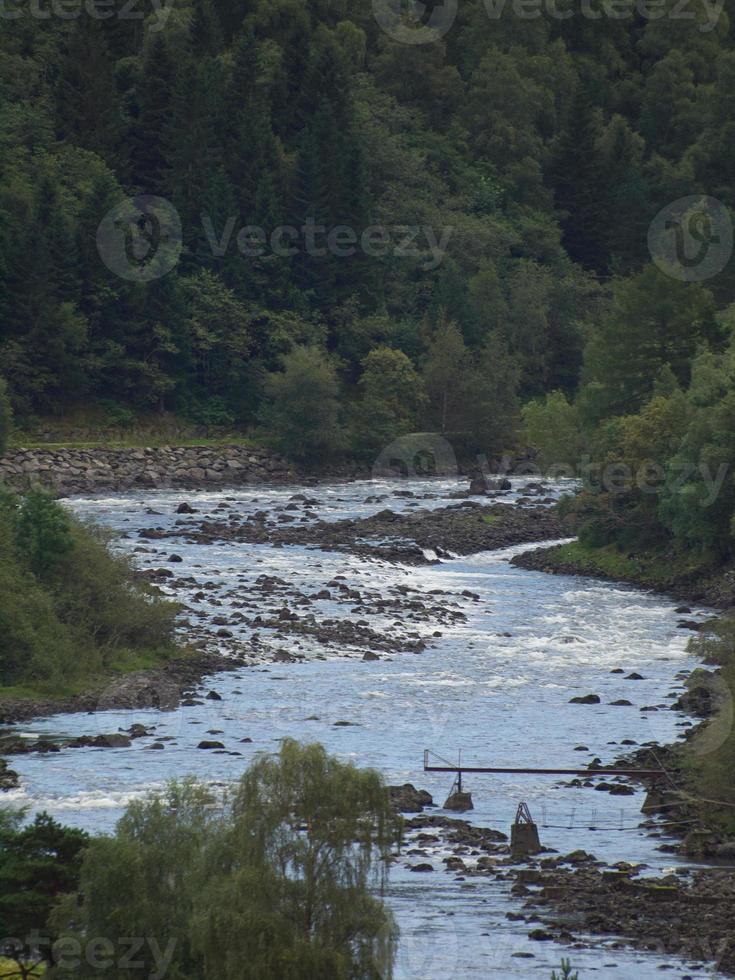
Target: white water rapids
pixel 495 685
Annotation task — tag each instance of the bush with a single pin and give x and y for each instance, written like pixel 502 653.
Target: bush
pixel 710 755
pixel 102 596
pixel 69 608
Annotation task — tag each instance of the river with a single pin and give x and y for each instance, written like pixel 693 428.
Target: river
pixel 515 646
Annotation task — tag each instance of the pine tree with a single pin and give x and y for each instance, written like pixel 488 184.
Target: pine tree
pixel 88 106
pixel 577 179
pixel 205 31
pixel 148 150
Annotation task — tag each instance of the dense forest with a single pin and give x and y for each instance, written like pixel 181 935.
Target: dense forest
pixel 505 177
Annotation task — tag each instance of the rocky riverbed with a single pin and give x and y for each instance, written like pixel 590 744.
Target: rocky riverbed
pixel 417 537
pixel 333 636
pixel 687 914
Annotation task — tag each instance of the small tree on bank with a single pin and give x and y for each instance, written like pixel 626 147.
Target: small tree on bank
pixel 391 398
pixel 551 425
pixel 301 415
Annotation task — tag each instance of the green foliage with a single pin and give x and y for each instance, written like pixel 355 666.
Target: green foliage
pixel 677 457
pixel 566 972
pixel 68 607
pixel 551 426
pixel 531 161
pixel 302 416
pixel 313 113
pixel 145 879
pixel 276 882
pixel 42 532
pixel 445 373
pixel 391 397
pixel 710 756
pixel 472 394
pixel 655 321
pixel 39 863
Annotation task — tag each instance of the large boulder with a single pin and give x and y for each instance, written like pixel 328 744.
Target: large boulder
pixel 408 799
pixel 459 802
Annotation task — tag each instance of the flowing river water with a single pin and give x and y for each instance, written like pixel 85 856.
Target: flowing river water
pixel 494 685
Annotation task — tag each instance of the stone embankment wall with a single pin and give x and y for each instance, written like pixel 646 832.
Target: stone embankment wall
pixel 68 471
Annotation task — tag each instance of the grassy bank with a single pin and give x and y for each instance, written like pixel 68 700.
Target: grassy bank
pixel 72 613
pixel 680 573
pixel 91 428
pixel 63 688
pixel 708 758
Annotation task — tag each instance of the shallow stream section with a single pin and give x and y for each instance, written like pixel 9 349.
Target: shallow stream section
pixel 495 686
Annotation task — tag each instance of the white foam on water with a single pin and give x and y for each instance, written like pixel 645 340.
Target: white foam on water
pixel 501 700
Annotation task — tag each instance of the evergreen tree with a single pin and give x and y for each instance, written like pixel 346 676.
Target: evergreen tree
pixel 39 863
pixel 88 108
pixel 6 416
pixel 577 179
pixel 656 321
pixel 155 104
pixel 446 373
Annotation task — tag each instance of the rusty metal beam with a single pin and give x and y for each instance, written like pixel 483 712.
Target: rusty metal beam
pixel 549 772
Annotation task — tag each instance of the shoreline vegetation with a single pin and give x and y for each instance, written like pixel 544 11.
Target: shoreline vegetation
pixel 71 612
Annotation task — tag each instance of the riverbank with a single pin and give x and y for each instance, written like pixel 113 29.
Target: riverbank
pixel 90 469
pixel 686 579
pixel 163 687
pixel 702 767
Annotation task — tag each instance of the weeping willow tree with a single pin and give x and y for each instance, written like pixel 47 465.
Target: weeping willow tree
pixel 304 854
pixel 282 881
